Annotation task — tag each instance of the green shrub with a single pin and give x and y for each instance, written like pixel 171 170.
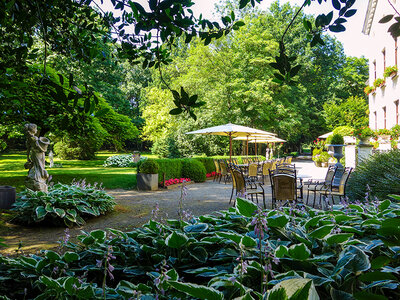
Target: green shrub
pixel 208 163
pixel 294 154
pixel 324 156
pixel 316 151
pixel 63 204
pixel 335 139
pixel 149 166
pixel 67 151
pixel 170 168
pixel 193 169
pixel 344 130
pixel 380 173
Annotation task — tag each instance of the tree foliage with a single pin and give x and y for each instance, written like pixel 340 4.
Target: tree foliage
pixel 240 88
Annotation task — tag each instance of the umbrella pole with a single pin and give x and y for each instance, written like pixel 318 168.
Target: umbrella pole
pixel 230 146
pixel 256 148
pixel 247 146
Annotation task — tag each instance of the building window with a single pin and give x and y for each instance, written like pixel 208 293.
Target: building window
pixel 374 69
pixel 384 59
pixel 376 120
pixel 384 117
pixel 396 103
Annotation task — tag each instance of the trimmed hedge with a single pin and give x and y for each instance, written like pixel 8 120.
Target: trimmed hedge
pixel 208 163
pixel 193 169
pixel 171 167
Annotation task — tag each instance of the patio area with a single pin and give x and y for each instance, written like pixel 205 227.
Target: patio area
pixel 134 208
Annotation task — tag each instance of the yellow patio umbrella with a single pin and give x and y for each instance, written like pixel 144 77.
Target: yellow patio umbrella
pixel 261 139
pixel 231 130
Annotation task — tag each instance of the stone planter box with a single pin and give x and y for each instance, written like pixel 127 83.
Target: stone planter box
pixel 147 182
pixel 7 196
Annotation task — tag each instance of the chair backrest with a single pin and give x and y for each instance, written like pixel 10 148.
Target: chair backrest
pixel 343 180
pixel 285 169
pixel 223 168
pixel 288 160
pixel 245 160
pixel 330 174
pixel 216 163
pixel 283 187
pixel 232 167
pixel 274 163
pixel 239 180
pixel 266 166
pixel 253 169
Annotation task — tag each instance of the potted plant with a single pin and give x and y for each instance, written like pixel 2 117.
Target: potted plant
pixel 369 89
pixel 379 82
pixel 335 143
pixel 390 71
pixel 325 159
pixel 317 160
pixel 363 134
pixel 385 134
pixel 147 177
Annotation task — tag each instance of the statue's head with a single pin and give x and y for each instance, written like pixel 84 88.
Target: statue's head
pixel 31 128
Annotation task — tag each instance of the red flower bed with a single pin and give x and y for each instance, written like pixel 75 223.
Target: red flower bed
pixel 212 174
pixel 175 181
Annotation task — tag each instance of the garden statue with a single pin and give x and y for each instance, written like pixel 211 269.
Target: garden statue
pixel 36 147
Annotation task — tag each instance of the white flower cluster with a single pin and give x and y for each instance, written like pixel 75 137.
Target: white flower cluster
pixel 119 161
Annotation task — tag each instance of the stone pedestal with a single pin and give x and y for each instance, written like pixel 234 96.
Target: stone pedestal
pixel 350 155
pixel 364 151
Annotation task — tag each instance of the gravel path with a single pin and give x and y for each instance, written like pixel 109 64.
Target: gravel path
pixel 134 209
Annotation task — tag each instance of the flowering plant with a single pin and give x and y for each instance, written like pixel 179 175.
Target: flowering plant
pixel 379 82
pixel 212 174
pixel 319 144
pixel 175 181
pixel 363 132
pixel 369 89
pixel 389 71
pixel 383 132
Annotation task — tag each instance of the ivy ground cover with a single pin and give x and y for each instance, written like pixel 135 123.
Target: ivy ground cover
pixel 349 252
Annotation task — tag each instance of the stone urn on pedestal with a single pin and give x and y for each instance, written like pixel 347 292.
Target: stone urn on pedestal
pixel 335 144
pixel 364 146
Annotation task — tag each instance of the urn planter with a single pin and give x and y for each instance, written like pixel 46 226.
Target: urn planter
pixel 336 151
pixel 7 196
pixel 147 182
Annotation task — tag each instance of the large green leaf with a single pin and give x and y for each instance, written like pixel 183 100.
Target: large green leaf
pixel 231 236
pixel 198 291
pixel 199 227
pixel 199 253
pixel 245 207
pixel 176 240
pixel 299 251
pixel 322 231
pixel 359 262
pixel 99 235
pixel 277 221
pixel 70 257
pixel 40 212
pixel 338 238
pixel 295 288
pixel 247 241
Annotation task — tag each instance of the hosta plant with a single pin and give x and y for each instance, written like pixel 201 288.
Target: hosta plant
pixel 349 251
pixel 120 161
pixel 63 205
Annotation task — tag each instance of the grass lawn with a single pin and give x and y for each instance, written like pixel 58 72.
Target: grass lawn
pixel 12 171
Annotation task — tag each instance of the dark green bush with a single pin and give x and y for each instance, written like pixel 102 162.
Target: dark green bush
pixel 335 139
pixel 149 166
pixel 208 163
pixel 193 169
pixel 381 172
pixel 294 154
pixel 170 168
